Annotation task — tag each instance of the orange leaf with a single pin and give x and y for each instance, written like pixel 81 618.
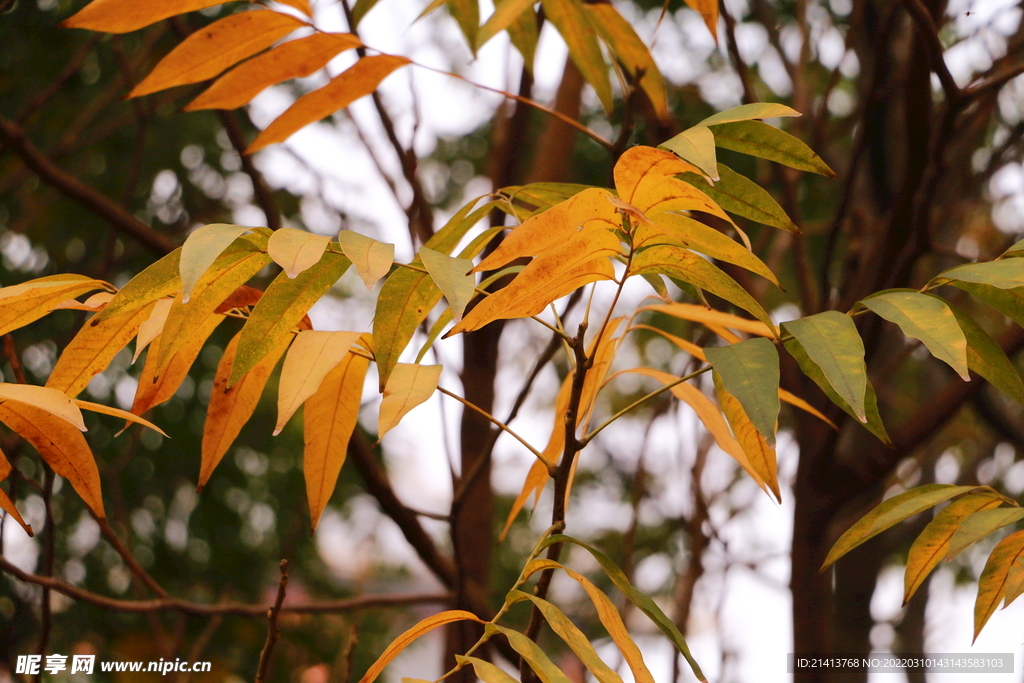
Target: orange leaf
pixel 52 401
pixel 329 419
pixel 656 195
pixel 360 79
pixel 61 445
pixel 639 162
pixel 6 503
pixel 312 355
pixel 122 16
pixel 301 5
pixel 92 349
pixel 154 389
pixel 403 641
pixel 230 409
pixel 96 302
pixel 992 582
pixel 760 455
pixel 699 314
pixel 709 11
pixel 154 324
pixel 30 301
pixel 536 478
pixel 408 386
pixel 213 48
pixel 117 412
pixel 295 59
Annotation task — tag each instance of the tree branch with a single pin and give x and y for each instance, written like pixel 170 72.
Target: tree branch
pixel 272 632
pixel 264 195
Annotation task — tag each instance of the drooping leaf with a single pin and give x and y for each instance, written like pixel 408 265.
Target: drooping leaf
pixel 504 14
pixel 452 276
pixel 746 112
pixel 981 524
pixel 92 349
pixel 403 641
pixel 639 599
pixel 311 356
pixel 1009 302
pixel 61 445
pixel 737 194
pixel 696 145
pixel 620 37
pixel 153 388
pixel 408 386
pixel 408 296
pixel 760 454
pixel 216 47
pixel 545 669
pixel 54 402
pixel 485 671
pixel 686 232
pixel 296 250
pixel 928 319
pixel 329 419
pixel 6 504
pixel 467 15
pixel 932 544
pixel 281 308
pixel 708 9
pixel 803 405
pixel 831 341
pixel 639 162
pixel 202 247
pixel 230 408
pixel 361 79
pixel 94 303
pixel 572 635
pixel 891 512
pixel 295 59
pixel 236 266
pixel 154 324
pixel 711 316
pixel 123 16
pixel 768 142
pixel 25 303
pixel 371 258
pixel 117 412
pixel 569 17
pixel 992 582
pixel 157 281
pixel 536 478
pixel 750 372
pixel 1014 581
pixel 987 358
pixel 677 262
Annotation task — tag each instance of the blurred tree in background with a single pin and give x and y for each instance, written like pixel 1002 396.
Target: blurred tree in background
pixel 917 105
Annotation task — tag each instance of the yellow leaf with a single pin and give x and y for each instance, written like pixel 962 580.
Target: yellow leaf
pixel 311 356
pixel 201 249
pixel 992 583
pixel 52 401
pixel 92 349
pixel 61 445
pixel 330 417
pixel 760 455
pixel 552 227
pixel 213 48
pixel 639 162
pixel 6 503
pixel 96 302
pixel 403 641
pixel 301 5
pixel 805 406
pixel 123 16
pixel 372 259
pixel 296 250
pixel 656 195
pixel 357 81
pixel 408 386
pixel 295 59
pixel 149 330
pixel 536 478
pixel 709 11
pixel 556 272
pixel 696 145
pixel 230 409
pixel 117 412
pixel 25 303
pixel 153 388
pixel 620 37
pixel 699 314
pixel 689 347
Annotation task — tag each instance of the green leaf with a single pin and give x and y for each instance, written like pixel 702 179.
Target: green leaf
pixel 1004 273
pixel 676 262
pixel 737 194
pixel 928 319
pixel 810 368
pixel 745 112
pixel 572 636
pixel 932 544
pixel 750 372
pixel 657 282
pixel 281 308
pixel 696 145
pixel 452 276
pixel 992 582
pixel 768 142
pixel 981 524
pixel 408 296
pixel 360 9
pixel 641 601
pixel 987 358
pixel 697 236
pixel 1009 302
pixel 534 656
pixel 569 17
pixel 467 14
pixel 485 671
pixel 890 512
pixel 832 343
pixel 201 249
pixel 155 282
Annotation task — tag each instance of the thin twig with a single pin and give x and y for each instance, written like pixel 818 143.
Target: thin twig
pixel 493 420
pixel 46 606
pixel 272 631
pixel 129 559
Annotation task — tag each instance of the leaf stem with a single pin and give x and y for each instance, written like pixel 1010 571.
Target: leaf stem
pixel 495 421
